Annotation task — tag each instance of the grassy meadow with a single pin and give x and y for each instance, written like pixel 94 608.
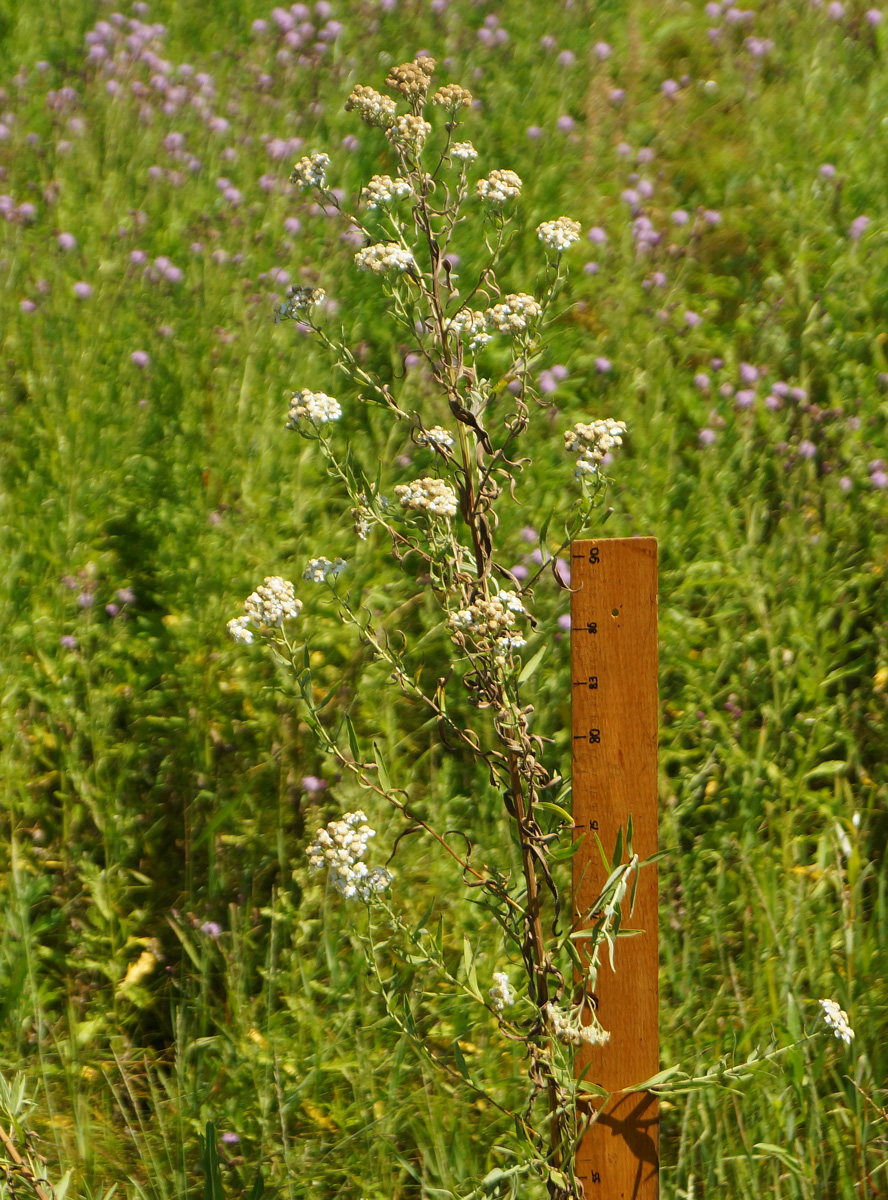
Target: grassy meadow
pixel 184 1009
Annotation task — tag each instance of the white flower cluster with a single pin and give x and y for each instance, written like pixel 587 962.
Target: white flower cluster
pixel 501 993
pixel 567 1027
pixel 385 258
pixel 592 442
pixel 271 604
pixel 409 133
pixel 412 79
pixel 319 570
pixel 239 629
pixel 372 107
pixel 311 172
pixel 492 618
pixel 317 407
pixel 298 301
pixel 463 152
pixel 451 96
pixel 436 436
pixel 514 314
pixel 558 235
pixel 499 187
pixel 341 848
pixel 471 325
pixel 429 495
pixel 382 191
pixel 837 1019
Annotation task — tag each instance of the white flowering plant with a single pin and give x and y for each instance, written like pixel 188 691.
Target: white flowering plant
pixel 477 343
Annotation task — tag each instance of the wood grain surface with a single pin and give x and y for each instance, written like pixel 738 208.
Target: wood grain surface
pixel 614 692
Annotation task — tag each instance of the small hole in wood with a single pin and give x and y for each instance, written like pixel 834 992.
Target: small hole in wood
pixel 615 612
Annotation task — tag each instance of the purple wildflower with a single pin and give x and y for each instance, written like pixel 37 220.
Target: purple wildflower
pixel 706 437
pixel 139 358
pixel 701 380
pixel 807 449
pixel 82 290
pixel 565 123
pixel 67 241
pixel 745 398
pixel 27 306
pixel 602 51
pixel 873 16
pixel 669 87
pixel 845 483
pixel 827 171
pixel 564 622
pixel 748 373
pixel 680 217
pixel 603 365
pixel 879 479
pixel 311 784
pixel 858 226
pixel 68 641
pixel 211 928
pixel 692 319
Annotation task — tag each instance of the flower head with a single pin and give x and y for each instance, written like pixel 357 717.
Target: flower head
pixel 409 133
pixel 317 407
pixel 452 97
pixel 385 258
pixel 558 235
pixel 837 1019
pixel 568 1027
pixel 319 570
pixel 514 314
pixel 436 436
pixel 472 326
pixel 372 107
pixel 272 603
pixel 501 993
pixel 411 79
pixel 298 301
pixel 592 442
pixel 311 171
pixel 463 152
pixel 430 495
pixel 499 187
pixel 382 191
pixel 341 847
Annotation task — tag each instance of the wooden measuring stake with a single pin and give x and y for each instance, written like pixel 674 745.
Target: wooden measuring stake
pixel 614 678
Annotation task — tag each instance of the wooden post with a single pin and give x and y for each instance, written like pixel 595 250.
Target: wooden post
pixel 614 677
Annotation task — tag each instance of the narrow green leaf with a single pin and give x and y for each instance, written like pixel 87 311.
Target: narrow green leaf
pixel 618 850
pixel 531 665
pixel 551 806
pixel 352 738
pixel 381 768
pixel 459 1058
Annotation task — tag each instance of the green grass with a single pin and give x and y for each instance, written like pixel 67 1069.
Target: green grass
pixel 152 776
